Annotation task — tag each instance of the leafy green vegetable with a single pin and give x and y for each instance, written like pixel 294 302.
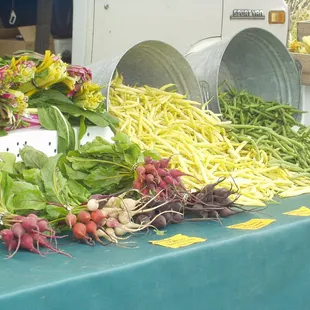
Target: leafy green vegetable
pixel 19 186
pixel 6 193
pixel 82 130
pixel 55 212
pixel 54 97
pixel 54 182
pixel 51 118
pixel 74 174
pixel 104 167
pixel 33 176
pixel 33 158
pixel 77 191
pixel 3 133
pixel 7 162
pixel 29 200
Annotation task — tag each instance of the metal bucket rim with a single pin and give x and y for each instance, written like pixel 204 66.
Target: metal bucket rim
pixel 227 41
pixel 119 58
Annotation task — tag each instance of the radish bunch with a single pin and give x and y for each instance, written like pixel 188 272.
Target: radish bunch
pixel 113 217
pixel 154 176
pixel 29 233
pixel 85 225
pixel 211 202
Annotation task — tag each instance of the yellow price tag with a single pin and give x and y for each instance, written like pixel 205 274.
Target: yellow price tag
pixel 302 211
pixel 252 224
pixel 177 241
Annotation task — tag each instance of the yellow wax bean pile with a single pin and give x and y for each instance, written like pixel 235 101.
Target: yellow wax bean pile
pixel 170 124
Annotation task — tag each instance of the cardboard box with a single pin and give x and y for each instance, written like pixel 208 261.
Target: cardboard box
pixel 21 38
pixel 303 29
pixel 305 63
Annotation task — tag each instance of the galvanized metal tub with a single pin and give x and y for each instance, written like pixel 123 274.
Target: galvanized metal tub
pixel 152 63
pixel 254 60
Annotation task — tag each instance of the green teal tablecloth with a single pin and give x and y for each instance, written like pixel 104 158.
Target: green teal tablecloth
pixel 267 269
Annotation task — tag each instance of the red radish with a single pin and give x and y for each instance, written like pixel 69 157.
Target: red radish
pixel 163 184
pixel 164 162
pixel 43 242
pixel 83 217
pixel 112 222
pixel 91 228
pixel 145 191
pixel 162 172
pixel 30 224
pixel 7 234
pixel 155 164
pixel 177 173
pixel 169 180
pixel 178 180
pixel 148 160
pixel 27 244
pixel 157 179
pixel 43 225
pixel 137 184
pixel 18 231
pixel 140 170
pixel 150 169
pixel 149 178
pixel 79 231
pixel 32 215
pixel 97 216
pixel 11 245
pixel 150 186
pixel 141 177
pixel 71 219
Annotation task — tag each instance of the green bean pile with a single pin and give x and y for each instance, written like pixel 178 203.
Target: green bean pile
pixel 269 126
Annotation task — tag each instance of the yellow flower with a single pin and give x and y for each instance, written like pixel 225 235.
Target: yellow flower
pixel 21 100
pixel 70 82
pixel 295 46
pixel 52 70
pixel 23 69
pixel 89 96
